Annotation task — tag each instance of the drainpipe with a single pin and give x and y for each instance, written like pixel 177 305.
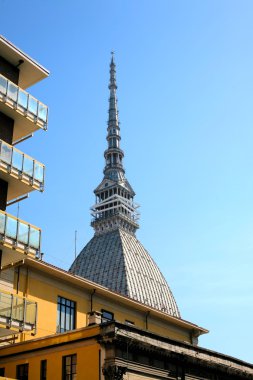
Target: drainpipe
pixel 91 300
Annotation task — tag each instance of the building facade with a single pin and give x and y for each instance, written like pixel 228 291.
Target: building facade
pixel 20 116
pixel 112 316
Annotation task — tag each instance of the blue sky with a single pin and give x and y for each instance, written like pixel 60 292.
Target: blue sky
pixel 184 71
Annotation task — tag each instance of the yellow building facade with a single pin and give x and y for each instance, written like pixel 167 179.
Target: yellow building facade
pixel 43 284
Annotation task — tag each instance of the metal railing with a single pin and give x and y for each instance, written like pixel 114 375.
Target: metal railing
pixel 19 233
pixel 23 101
pixel 14 308
pixel 22 163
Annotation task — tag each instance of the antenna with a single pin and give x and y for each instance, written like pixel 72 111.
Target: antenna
pixel 75 242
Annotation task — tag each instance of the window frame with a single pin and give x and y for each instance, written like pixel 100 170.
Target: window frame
pixel 25 366
pixel 65 374
pixel 43 369
pixel 104 318
pixel 63 324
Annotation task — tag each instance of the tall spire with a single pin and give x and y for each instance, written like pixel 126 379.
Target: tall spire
pixel 113 155
pixel 114 206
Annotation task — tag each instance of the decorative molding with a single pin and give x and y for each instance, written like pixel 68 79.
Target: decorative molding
pixel 114 372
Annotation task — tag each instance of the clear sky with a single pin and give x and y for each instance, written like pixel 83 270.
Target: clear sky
pixel 185 81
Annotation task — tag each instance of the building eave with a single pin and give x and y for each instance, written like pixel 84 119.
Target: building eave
pixel 31 71
pixel 105 292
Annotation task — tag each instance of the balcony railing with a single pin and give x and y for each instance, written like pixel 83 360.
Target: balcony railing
pixel 23 102
pixel 17 312
pixel 19 235
pixel 21 165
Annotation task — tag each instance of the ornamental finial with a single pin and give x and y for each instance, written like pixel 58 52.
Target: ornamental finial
pixel 112 54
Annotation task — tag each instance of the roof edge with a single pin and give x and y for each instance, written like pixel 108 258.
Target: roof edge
pixel 80 281
pixel 24 55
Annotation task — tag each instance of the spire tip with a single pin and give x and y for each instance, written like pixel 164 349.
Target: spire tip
pixel 112 55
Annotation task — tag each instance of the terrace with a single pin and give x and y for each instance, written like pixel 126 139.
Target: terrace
pixel 29 113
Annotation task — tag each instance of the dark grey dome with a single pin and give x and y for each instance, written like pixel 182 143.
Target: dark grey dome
pixel 118 261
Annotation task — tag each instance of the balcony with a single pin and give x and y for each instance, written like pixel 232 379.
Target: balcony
pixel 22 172
pixel 16 313
pixel 29 114
pixel 18 236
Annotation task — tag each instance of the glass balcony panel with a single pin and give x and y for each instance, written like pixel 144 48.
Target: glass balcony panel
pixel 2 223
pixel 30 312
pixel 6 153
pixel 3 85
pixel 28 166
pixel 11 228
pixel 17 160
pixel 32 105
pixel 22 99
pixel 5 305
pixel 42 112
pixel 19 232
pixel 34 240
pixel 12 92
pixel 38 172
pixel 23 233
pixel 18 309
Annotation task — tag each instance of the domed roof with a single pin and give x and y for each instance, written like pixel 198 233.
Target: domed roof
pixel 118 261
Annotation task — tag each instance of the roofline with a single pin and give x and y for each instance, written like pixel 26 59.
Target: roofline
pixel 24 55
pixel 197 348
pixel 58 339
pixel 80 281
pixel 109 330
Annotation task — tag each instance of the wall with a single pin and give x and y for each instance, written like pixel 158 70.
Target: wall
pixel 87 361
pixel 44 290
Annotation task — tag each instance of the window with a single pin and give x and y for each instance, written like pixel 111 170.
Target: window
pixel 69 367
pixel 127 322
pixel 66 314
pixel 107 316
pixel 43 370
pixel 22 371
